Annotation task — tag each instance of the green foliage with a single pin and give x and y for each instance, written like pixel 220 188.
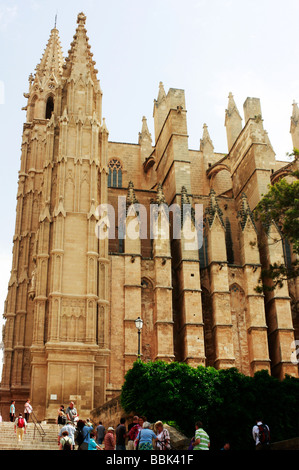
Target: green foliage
pixel 281 206
pixel 226 401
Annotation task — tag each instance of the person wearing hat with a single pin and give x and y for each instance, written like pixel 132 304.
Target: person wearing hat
pixel 109 439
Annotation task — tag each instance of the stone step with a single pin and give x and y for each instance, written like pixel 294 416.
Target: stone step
pixel 32 440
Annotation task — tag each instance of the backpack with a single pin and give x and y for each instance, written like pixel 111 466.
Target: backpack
pixel 67 445
pixel 21 423
pixel 264 434
pixel 79 437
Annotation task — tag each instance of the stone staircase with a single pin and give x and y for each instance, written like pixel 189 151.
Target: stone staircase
pixel 32 439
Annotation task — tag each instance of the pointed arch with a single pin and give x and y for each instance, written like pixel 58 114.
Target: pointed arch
pixel 49 107
pixel 115 173
pixel 147 283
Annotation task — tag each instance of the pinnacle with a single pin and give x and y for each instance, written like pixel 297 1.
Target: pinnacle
pixel 52 59
pixel 231 106
pixel 214 209
pixel 79 61
pixel 162 93
pixel 295 114
pixel 81 19
pixel 144 131
pixel 245 212
pixel 131 196
pixel 160 198
pixel 206 139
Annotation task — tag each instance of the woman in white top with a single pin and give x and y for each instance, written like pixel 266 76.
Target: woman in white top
pixel 163 442
pixel 27 410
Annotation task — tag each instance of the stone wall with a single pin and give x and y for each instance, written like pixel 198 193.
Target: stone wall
pixel 111 412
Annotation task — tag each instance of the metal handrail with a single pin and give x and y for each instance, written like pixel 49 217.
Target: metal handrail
pixel 37 427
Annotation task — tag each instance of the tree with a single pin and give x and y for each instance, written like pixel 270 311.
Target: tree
pixel 281 206
pixel 226 401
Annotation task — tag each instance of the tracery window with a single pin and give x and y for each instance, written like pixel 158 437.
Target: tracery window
pixel 115 174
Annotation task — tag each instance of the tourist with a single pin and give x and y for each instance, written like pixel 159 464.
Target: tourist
pixel 71 412
pixel 261 435
pixel 82 435
pixel 70 429
pixel 92 445
pixel 27 410
pixel 226 446
pixel 61 418
pixel 12 411
pixel 163 442
pixel 109 439
pixel 201 440
pixel 120 433
pixel 100 433
pixel 135 430
pixel 20 427
pixel 131 437
pixel 146 437
pixel 66 442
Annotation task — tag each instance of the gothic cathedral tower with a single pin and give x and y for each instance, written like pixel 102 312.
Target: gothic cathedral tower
pixel 74 296
pixel 55 335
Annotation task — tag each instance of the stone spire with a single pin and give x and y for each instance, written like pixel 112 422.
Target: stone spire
pixel 245 213
pixel 213 210
pixel 131 196
pixel 186 203
pixel 161 94
pixel 233 122
pixel 294 130
pixel 206 144
pixel 160 197
pixel 145 133
pixel 51 63
pixel 145 142
pixel 160 110
pixel 79 62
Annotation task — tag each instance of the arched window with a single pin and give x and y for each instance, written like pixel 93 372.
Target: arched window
pixel 287 253
pixel 229 242
pixel 49 107
pixel 115 174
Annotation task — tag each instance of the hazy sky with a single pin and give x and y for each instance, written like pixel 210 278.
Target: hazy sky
pixel 206 47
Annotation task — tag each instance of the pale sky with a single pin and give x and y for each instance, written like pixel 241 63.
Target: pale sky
pixel 206 47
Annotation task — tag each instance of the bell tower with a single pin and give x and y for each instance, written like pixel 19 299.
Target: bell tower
pixel 55 339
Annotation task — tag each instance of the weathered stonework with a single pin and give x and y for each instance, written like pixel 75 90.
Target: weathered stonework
pixel 73 297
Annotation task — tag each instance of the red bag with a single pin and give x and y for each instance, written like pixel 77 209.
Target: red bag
pixel 21 423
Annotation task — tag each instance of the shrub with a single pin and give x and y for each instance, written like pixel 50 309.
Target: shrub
pixel 226 401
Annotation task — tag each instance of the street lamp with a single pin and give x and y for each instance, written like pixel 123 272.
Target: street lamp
pixel 139 325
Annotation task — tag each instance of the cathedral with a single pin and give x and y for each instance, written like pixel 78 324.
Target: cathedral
pixel 82 275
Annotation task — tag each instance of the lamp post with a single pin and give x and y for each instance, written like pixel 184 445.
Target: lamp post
pixel 139 325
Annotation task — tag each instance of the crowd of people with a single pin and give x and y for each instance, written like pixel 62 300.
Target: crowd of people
pixel 140 435
pixel 80 434
pixel 75 433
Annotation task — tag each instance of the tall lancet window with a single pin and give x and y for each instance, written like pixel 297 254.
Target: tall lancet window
pixel 49 107
pixel 115 174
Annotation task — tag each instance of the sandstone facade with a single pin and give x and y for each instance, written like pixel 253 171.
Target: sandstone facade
pixel 73 297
